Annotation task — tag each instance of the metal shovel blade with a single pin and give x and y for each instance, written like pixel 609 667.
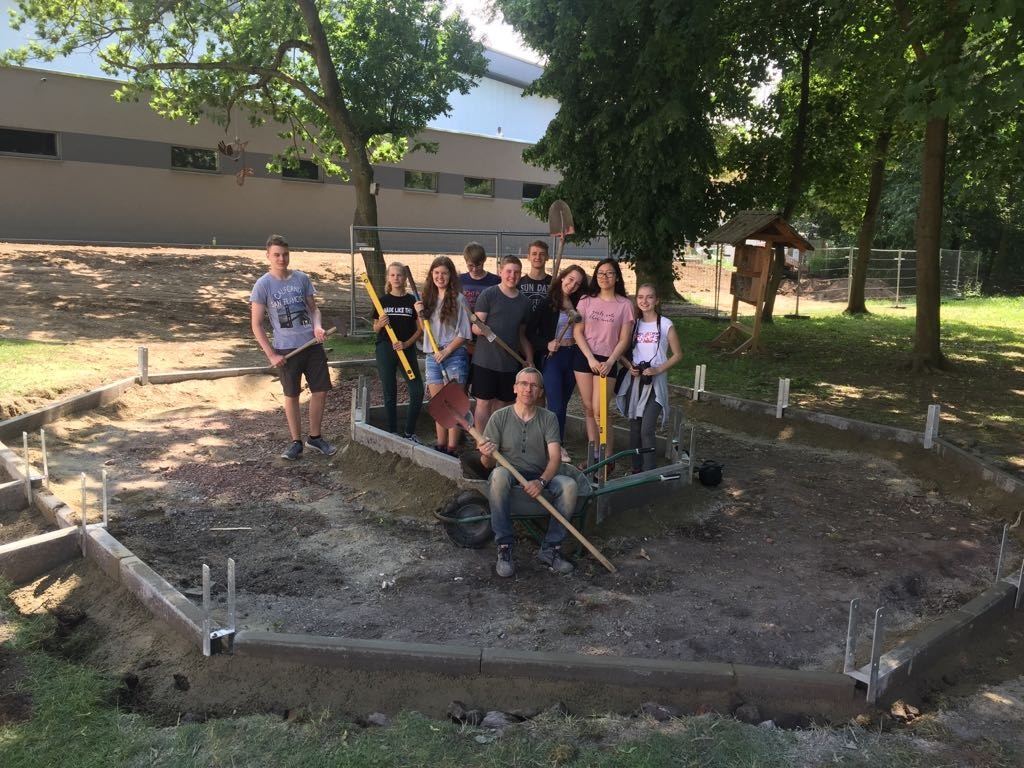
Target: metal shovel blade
pixel 560 219
pixel 450 407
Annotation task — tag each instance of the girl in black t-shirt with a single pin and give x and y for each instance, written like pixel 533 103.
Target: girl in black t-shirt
pixel 400 314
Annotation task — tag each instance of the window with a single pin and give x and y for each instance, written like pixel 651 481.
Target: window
pixel 19 142
pixel 478 187
pixel 422 181
pixel 532 191
pixel 307 170
pixel 194 159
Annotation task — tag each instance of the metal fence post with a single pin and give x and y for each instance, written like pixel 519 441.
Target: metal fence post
pixel 352 279
pixel 849 278
pixel 899 265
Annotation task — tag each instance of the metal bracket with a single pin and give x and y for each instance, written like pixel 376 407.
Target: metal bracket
pixel 870 674
pixel 218 640
pixel 931 425
pixel 699 380
pixel 1002 551
pixel 782 400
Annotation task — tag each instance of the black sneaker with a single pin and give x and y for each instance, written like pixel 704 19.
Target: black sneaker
pixel 319 444
pixel 552 557
pixel 505 567
pixel 293 451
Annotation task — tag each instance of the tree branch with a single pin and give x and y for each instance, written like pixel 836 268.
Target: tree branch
pixel 265 73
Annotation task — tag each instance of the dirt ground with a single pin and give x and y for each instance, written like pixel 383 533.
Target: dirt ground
pixel 757 570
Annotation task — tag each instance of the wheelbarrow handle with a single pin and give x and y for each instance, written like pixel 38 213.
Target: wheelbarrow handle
pixel 616 457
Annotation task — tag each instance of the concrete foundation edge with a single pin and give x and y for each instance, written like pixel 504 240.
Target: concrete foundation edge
pixel 26 560
pixel 162 599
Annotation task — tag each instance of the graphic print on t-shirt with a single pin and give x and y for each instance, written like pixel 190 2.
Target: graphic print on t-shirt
pixel 290 307
pixel 647 337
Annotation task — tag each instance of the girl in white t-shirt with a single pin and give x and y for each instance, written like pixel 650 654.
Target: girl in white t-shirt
pixel 601 336
pixel 642 396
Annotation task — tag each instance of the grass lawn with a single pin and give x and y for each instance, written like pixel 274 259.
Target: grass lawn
pixel 858 367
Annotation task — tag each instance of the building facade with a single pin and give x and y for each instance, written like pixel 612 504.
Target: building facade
pixel 78 166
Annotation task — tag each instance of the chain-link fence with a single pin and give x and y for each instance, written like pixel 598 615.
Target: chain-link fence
pixel 891 275
pixel 418 247
pixel 703 277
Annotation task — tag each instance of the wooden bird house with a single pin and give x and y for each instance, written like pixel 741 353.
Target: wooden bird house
pixel 753 235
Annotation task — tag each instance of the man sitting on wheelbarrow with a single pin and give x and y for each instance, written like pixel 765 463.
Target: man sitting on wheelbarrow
pixel 527 436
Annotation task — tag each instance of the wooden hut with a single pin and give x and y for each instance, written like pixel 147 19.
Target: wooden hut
pixel 753 235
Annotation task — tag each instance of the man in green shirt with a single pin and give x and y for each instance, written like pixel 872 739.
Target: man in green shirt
pixel 527 435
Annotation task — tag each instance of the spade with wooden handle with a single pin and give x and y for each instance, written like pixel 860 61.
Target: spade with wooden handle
pixel 560 226
pixel 390 331
pixel 450 408
pixel 426 323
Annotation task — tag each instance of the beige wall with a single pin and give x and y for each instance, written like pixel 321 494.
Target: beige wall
pixel 62 199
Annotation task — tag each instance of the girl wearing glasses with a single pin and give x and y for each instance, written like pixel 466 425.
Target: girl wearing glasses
pixel 601 336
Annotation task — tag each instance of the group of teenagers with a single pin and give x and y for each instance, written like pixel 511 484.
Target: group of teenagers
pixel 571 327
pixel 566 332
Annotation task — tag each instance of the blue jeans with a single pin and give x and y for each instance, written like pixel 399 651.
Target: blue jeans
pixel 559 383
pixel 456 365
pixel 561 492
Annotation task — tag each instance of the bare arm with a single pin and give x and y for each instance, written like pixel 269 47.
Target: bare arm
pixel 314 316
pixel 257 312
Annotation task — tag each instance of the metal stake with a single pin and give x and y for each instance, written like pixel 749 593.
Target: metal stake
pixel 231 594
pixel 206 610
pixel 782 400
pixel 1002 549
pixel 28 469
pixel 876 655
pixel 1020 585
pixel 143 366
pixel 851 637
pixel 106 518
pixel 699 379
pixel 693 455
pixel 46 463
pixel 931 425
pixel 83 514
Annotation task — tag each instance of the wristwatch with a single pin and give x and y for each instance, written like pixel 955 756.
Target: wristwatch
pixel 543 482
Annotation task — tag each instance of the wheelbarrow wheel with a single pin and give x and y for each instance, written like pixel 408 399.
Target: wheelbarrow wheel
pixel 465 506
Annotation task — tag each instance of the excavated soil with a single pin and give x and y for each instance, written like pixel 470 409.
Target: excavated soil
pixel 759 569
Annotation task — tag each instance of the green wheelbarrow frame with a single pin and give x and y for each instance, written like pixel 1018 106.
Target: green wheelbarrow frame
pixel 467 518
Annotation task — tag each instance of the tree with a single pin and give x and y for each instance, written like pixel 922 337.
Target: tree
pixel 351 80
pixel 962 54
pixel 636 84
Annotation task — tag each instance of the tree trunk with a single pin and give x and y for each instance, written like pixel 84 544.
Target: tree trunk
pixel 796 171
pixel 355 147
pixel 365 215
pixel 658 272
pixel 866 236
pixel 927 353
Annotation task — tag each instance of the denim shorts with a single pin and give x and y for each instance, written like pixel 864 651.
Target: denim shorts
pixel 456 365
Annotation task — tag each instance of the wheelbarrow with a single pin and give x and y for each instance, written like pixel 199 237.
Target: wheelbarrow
pixel 467 517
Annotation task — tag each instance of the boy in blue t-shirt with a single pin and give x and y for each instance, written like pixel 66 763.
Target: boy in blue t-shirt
pixel 288 299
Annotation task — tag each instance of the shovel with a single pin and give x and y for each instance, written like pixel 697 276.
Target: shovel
pixel 450 408
pixel 426 322
pixel 560 226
